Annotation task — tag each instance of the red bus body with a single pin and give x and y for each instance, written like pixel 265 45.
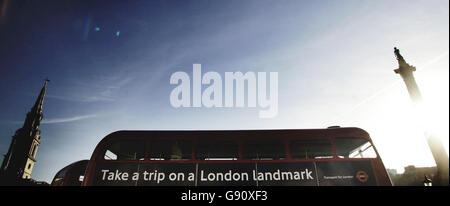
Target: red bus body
pixel 70 175
pixel 380 176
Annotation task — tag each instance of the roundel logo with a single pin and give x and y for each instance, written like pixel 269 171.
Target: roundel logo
pixel 362 176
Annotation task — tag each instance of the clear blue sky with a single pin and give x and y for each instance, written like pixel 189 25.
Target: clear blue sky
pixel 109 63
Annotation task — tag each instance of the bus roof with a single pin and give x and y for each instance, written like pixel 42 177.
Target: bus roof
pixel 337 132
pixel 314 133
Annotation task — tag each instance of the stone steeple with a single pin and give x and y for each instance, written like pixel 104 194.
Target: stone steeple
pixel 20 159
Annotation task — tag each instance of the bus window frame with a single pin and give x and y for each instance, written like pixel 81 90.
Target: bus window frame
pixel 149 144
pixel 213 139
pixel 353 158
pixel 240 143
pixel 330 140
pixel 107 144
pixel 77 168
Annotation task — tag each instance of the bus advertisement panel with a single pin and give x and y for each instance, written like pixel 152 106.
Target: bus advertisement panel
pixel 354 173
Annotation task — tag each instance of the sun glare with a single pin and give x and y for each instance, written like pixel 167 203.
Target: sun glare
pixel 399 127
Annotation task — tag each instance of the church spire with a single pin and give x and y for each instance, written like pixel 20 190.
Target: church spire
pixel 20 159
pixel 40 100
pixel 34 117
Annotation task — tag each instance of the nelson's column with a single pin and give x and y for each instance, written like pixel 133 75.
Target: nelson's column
pixel 437 148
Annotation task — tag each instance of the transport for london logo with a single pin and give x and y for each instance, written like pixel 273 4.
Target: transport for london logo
pixel 234 91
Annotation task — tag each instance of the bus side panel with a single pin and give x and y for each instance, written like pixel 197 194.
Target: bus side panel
pixel 204 174
pixel 381 174
pixel 346 173
pixel 89 173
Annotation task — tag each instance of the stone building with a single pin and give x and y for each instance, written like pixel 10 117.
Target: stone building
pixel 18 163
pixel 413 176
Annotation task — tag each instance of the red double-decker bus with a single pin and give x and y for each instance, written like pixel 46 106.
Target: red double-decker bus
pixel 294 157
pixel 71 175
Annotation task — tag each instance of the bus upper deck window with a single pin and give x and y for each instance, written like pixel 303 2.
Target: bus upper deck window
pixel 170 150
pixel 354 148
pixel 126 150
pixel 220 150
pixel 59 178
pixel 311 149
pixel 269 150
